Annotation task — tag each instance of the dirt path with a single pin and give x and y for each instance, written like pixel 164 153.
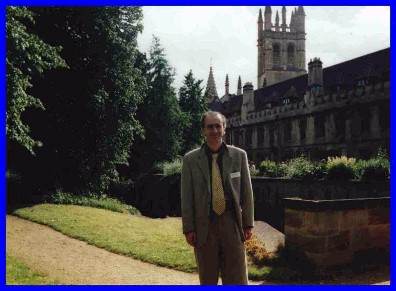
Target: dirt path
pixel 77 263
pixel 73 262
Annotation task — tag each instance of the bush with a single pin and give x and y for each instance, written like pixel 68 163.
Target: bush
pixel 340 168
pixel 319 169
pixel 300 168
pixel 91 200
pixel 373 169
pixel 271 169
pixel 254 172
pixel 256 251
pixel 170 168
pixel 13 176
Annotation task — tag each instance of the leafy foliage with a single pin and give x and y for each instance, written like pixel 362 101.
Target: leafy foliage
pixel 90 122
pixel 27 55
pixel 170 168
pixel 60 197
pixel 376 168
pixel 340 168
pixel 160 114
pixel 254 172
pixel 335 168
pixel 13 176
pixel 256 251
pixel 272 169
pixel 192 102
pixel 300 168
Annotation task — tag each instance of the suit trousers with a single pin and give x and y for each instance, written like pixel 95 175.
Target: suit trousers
pixel 223 252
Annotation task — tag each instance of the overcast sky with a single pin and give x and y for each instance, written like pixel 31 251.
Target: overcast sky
pixel 195 37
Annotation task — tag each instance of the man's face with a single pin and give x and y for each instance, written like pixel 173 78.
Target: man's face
pixel 213 130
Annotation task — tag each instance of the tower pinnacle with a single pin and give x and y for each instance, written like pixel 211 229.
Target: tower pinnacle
pixel 260 17
pixel 268 18
pixel 211 87
pixel 277 21
pixel 284 25
pixel 227 85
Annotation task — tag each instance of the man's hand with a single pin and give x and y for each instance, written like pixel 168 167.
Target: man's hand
pixel 191 239
pixel 247 232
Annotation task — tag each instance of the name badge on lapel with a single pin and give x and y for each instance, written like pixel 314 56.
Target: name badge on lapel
pixel 235 175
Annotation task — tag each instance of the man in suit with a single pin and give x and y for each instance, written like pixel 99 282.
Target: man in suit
pixel 217 205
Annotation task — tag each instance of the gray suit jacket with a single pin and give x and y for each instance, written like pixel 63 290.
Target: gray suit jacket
pixel 195 190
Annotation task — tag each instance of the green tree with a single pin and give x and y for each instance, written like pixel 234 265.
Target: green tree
pixel 160 114
pixel 27 55
pixel 192 102
pixel 122 89
pixel 90 121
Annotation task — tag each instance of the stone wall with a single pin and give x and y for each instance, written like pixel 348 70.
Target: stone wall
pixel 269 194
pixel 159 196
pixel 350 122
pixel 335 232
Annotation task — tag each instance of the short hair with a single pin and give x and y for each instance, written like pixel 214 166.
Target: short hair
pixel 223 118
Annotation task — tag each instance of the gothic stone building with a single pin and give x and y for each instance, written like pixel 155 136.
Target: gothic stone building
pixel 339 110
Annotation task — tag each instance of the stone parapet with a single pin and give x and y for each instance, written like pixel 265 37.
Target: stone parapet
pixel 333 232
pixel 311 105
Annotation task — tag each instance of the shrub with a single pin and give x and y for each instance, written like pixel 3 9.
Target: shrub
pixel 271 169
pixel 169 168
pixel 373 169
pixel 256 251
pixel 340 168
pixel 157 168
pixel 91 200
pixel 13 176
pixel 300 168
pixel 319 169
pixel 254 172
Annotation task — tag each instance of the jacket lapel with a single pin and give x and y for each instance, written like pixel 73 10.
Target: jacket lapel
pixel 204 166
pixel 227 165
pixel 227 162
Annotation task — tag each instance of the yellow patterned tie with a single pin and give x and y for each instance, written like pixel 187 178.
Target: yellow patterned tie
pixel 217 187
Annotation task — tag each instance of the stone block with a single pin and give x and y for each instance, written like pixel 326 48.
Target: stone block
pixel 339 242
pixel 329 259
pixel 306 243
pixel 294 218
pixel 290 230
pixel 379 236
pixel 359 239
pixel 353 218
pixel 379 215
pixel 322 223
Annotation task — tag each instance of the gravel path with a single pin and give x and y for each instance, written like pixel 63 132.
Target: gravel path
pixel 73 262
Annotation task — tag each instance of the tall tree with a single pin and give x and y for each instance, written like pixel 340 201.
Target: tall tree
pixel 160 114
pixel 90 123
pixel 27 55
pixel 192 102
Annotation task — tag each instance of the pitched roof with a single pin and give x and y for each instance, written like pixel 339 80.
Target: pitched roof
pixel 375 65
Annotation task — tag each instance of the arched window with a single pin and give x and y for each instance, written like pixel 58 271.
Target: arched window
pixel 276 51
pixel 290 55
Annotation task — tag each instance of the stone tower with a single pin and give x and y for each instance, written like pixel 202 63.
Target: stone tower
pixel 281 47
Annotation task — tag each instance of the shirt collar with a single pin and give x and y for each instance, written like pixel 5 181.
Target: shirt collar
pixel 222 149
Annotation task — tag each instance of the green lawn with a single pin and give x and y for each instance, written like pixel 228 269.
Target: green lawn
pixel 156 241
pixel 20 274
